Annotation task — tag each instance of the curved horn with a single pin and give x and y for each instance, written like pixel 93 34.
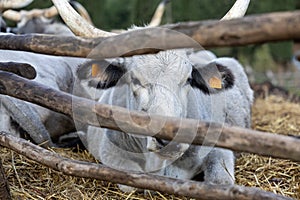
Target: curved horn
pixel 50 12
pixel 12 15
pixel 76 23
pixel 18 15
pixel 82 11
pixel 5 4
pixel 159 12
pixel 238 10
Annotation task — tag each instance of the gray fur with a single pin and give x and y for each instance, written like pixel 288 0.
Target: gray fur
pixel 41 25
pixel 171 96
pixel 39 122
pixel 238 108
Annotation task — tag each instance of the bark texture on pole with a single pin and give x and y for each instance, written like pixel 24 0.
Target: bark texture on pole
pixel 96 114
pixel 4 189
pixel 141 180
pixel 22 69
pixel 236 32
pixel 250 29
pixel 48 44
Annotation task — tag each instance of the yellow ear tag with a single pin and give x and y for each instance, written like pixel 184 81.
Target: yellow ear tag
pixel 95 70
pixel 215 82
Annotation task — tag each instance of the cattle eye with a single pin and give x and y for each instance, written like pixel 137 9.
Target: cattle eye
pixel 136 81
pixel 189 80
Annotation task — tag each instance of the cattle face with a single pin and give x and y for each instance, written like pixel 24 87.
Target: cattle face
pixel 166 83
pixel 160 83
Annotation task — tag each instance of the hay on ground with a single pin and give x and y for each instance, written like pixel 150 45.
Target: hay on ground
pixel 29 180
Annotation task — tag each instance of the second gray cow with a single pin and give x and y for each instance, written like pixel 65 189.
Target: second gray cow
pixel 40 123
pixel 170 83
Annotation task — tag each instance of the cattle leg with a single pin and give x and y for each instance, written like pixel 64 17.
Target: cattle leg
pixel 216 163
pixel 219 167
pixel 183 167
pixel 27 117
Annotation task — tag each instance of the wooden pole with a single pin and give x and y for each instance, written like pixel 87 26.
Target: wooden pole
pixel 22 69
pixel 140 180
pixel 251 29
pixel 108 116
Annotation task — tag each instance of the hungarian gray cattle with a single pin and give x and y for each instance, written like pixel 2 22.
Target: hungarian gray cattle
pixel 19 117
pixel 40 123
pixel 172 83
pixel 4 5
pixel 41 20
pixel 57 72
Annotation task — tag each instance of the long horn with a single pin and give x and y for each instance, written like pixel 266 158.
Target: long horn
pixel 82 11
pixel 50 12
pixel 76 23
pixel 6 4
pixel 238 10
pixel 17 16
pixel 46 12
pixel 159 12
pixel 12 15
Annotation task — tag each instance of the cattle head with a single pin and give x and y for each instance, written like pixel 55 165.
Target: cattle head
pixel 159 83
pixel 4 5
pixel 32 21
pixel 42 20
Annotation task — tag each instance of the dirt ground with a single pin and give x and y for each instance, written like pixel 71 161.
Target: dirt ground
pixel 29 180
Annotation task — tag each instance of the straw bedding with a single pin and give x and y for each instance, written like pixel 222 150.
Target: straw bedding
pixel 29 180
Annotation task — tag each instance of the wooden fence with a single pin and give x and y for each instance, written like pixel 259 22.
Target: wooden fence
pixel 248 30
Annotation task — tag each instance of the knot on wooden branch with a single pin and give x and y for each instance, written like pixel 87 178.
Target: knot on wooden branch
pixel 22 69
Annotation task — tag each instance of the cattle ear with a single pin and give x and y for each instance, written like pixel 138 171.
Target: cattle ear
pixel 212 78
pixel 100 74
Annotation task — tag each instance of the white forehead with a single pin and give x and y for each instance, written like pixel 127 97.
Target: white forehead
pixel 171 65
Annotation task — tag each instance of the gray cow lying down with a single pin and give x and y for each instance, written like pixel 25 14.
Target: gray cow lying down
pixel 172 83
pixel 41 124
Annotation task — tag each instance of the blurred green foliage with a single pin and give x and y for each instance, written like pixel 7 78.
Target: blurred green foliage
pixel 122 14
pixel 117 14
